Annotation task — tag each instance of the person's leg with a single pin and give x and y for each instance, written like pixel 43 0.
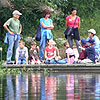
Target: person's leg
pixel 41 55
pixel 47 62
pixel 53 61
pixel 70 41
pixel 19 61
pixel 77 45
pixel 63 61
pixel 10 48
pixel 16 44
pixel 24 61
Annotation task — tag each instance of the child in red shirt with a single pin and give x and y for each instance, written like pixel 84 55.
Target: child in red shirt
pixel 50 53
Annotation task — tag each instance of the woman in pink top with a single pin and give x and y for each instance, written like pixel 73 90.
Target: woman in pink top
pixel 70 20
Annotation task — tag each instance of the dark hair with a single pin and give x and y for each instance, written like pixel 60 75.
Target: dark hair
pixel 46 11
pixel 22 41
pixel 74 8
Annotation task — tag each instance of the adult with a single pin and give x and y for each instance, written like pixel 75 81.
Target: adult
pixel 73 20
pixel 92 35
pixel 46 25
pixel 14 29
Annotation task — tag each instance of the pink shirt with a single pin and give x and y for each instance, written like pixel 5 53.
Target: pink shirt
pixel 70 52
pixel 71 22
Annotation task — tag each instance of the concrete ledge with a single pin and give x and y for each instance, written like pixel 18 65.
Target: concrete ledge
pixel 57 67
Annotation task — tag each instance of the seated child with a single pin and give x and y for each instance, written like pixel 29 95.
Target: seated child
pixel 91 52
pixel 34 59
pixel 83 53
pixel 22 53
pixel 50 53
pixel 69 55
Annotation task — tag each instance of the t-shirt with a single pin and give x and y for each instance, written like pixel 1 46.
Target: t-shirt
pixel 33 53
pixel 71 55
pixel 71 22
pixel 70 51
pixel 91 53
pixel 47 23
pixel 22 53
pixel 50 51
pixel 14 25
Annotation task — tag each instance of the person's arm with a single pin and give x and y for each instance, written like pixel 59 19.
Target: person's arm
pixel 81 48
pixel 46 55
pixel 20 29
pixel 16 60
pixel 17 55
pixel 6 27
pixel 66 24
pixel 47 27
pixel 78 24
pixel 27 60
pixel 68 59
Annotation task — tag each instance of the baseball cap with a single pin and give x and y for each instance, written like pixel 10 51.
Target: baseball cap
pixel 92 31
pixel 83 41
pixel 91 41
pixel 16 12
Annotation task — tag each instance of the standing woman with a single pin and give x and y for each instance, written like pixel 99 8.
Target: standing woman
pixel 46 26
pixel 73 20
pixel 14 29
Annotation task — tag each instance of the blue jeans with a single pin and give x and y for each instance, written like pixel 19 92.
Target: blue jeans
pixel 21 60
pixel 63 61
pixel 41 55
pixel 53 61
pixel 11 44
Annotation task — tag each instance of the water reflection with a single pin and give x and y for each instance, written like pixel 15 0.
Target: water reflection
pixel 37 86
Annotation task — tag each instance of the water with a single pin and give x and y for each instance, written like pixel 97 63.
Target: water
pixel 55 86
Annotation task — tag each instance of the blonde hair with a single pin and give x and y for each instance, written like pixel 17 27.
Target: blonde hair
pixel 33 43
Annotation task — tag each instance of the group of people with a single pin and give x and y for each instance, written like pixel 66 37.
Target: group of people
pixel 88 49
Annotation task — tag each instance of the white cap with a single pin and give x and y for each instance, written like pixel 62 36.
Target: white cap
pixel 16 12
pixel 92 31
pixel 52 42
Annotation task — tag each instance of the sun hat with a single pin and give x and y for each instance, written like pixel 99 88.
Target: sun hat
pixel 16 12
pixel 83 41
pixel 92 31
pixel 51 42
pixel 91 41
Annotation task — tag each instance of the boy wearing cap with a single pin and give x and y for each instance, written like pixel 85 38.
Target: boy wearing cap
pixel 92 35
pixel 50 53
pixel 91 52
pixel 12 38
pixel 83 53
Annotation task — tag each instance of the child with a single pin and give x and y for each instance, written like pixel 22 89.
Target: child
pixel 50 53
pixel 69 55
pixel 91 52
pixel 83 53
pixel 22 53
pixel 34 59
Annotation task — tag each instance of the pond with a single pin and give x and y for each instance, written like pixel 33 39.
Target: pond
pixel 50 86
